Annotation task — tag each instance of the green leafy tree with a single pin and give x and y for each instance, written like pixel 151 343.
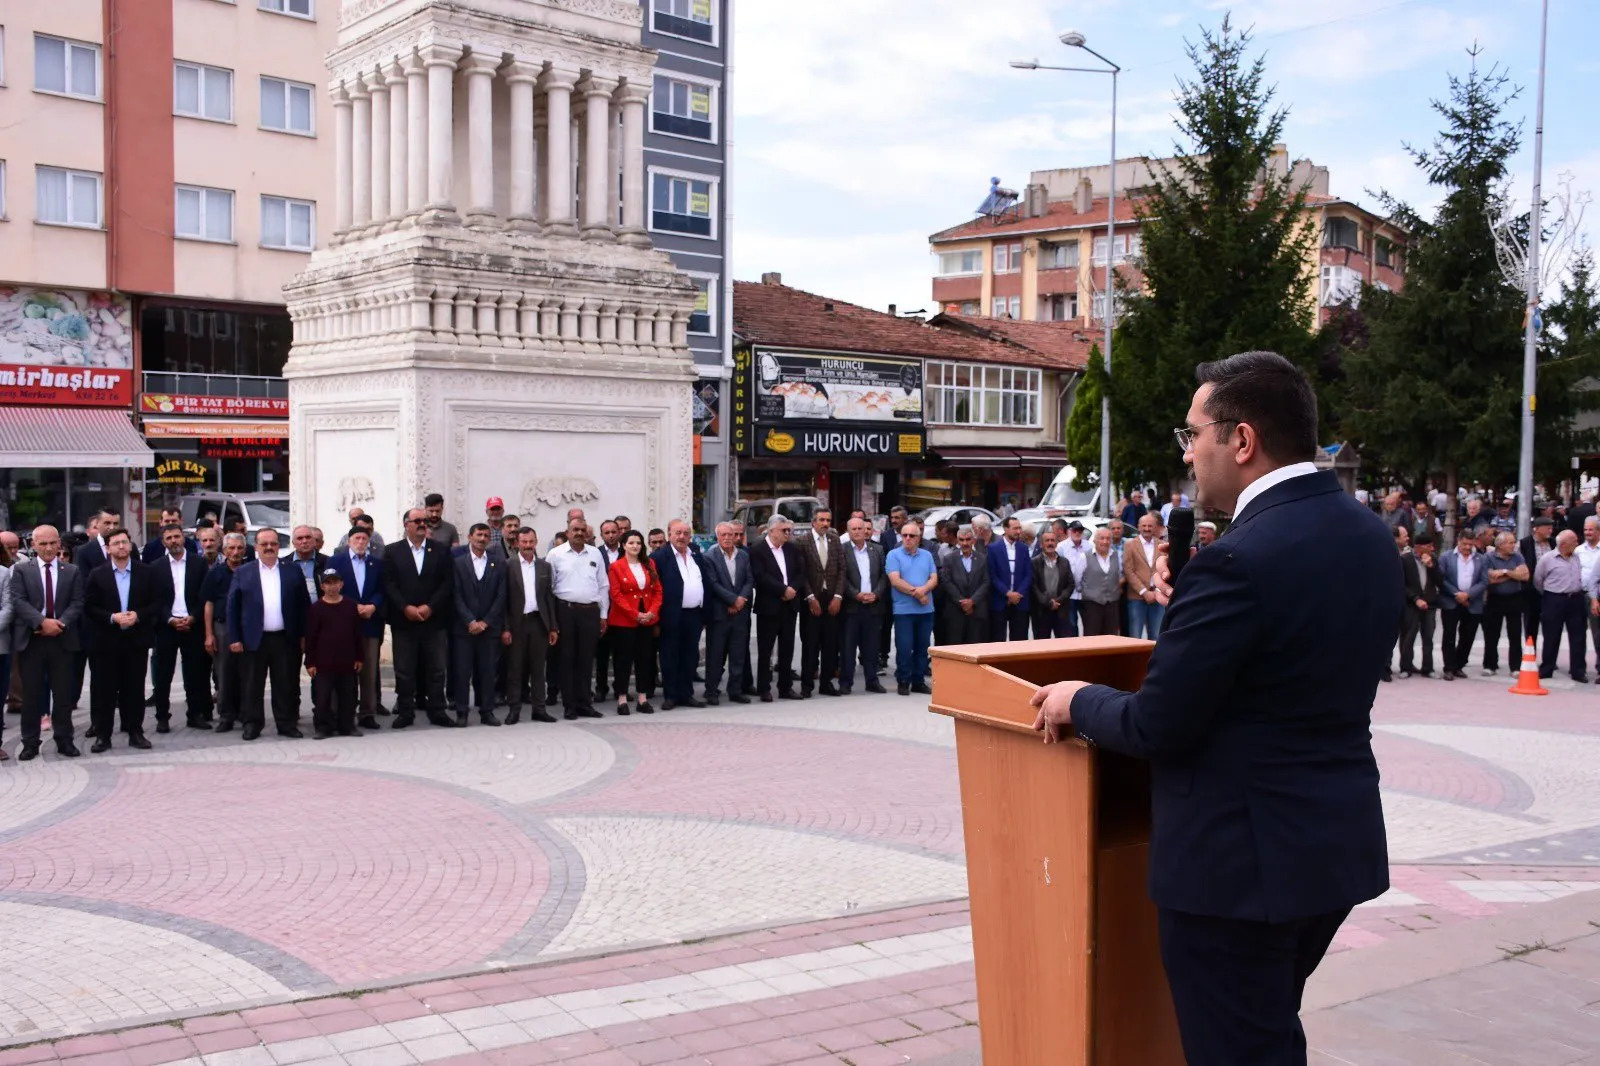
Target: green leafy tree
pixel 1568 393
pixel 1437 385
pixel 1224 250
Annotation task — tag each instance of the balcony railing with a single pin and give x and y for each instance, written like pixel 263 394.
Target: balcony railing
pixel 215 384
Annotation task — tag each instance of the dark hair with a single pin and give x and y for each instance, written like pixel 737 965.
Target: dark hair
pixel 621 518
pixel 118 532
pixel 205 523
pixel 477 526
pixel 170 525
pixel 1423 539
pixel 1397 530
pixel 632 534
pixel 822 510
pixel 235 519
pixel 654 531
pixel 363 520
pixel 1271 394
pixel 433 499
pixel 509 517
pixel 559 538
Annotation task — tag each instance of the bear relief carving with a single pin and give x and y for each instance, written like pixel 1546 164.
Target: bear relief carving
pixel 557 492
pixel 355 491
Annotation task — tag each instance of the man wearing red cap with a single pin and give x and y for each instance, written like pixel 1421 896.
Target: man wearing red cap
pixel 494 508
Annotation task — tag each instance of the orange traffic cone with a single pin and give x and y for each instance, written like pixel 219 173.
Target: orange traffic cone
pixel 1528 677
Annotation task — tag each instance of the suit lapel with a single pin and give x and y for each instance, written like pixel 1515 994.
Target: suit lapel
pixel 1290 491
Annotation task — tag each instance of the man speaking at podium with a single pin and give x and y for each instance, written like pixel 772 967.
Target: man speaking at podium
pixel 1255 716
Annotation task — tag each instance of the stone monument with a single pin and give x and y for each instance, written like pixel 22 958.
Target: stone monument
pixel 513 334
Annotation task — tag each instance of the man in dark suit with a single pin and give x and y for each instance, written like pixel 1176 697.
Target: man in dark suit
pixel 821 623
pixel 1010 585
pixel 179 575
pixel 266 619
pixel 683 612
pixel 1267 826
pixel 1422 591
pixel 156 546
pixel 86 557
pixel 418 590
pixel 479 619
pixel 729 588
pixel 46 616
pixel 1464 582
pixel 219 581
pixel 780 580
pixel 530 627
pixel 1052 590
pixel 122 604
pixel 964 578
pixel 362 574
pixel 866 598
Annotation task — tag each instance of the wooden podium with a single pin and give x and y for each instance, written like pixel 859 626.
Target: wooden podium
pixel 1063 931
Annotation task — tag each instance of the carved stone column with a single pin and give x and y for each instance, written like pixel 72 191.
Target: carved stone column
pixel 557 86
pixel 441 60
pixel 479 70
pixel 361 154
pixel 521 77
pixel 597 223
pixel 378 87
pixel 343 149
pixel 416 133
pixel 633 99
pixel 395 79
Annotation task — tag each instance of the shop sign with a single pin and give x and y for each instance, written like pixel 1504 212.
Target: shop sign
pixel 241 447
pixel 160 403
pixel 706 407
pixel 740 405
pixel 182 472
pixel 176 428
pixel 819 440
pixel 803 386
pixel 72 349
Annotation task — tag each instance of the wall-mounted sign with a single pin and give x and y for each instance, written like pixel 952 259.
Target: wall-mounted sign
pixel 791 386
pixel 160 403
pixel 72 349
pixel 162 427
pixel 706 407
pixel 182 472
pixel 740 403
pixel 241 447
pixel 65 386
pixel 824 440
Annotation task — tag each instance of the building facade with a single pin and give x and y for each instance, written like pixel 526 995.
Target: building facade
pixel 163 182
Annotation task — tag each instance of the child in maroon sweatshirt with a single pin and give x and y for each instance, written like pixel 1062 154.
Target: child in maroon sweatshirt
pixel 333 659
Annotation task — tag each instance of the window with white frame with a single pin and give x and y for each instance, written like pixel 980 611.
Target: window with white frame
pixel 1341 233
pixel 703 319
pixel 2 55
pixel 1097 307
pixel 204 214
pixel 285 105
pixel 1007 258
pixel 693 19
pixel 955 264
pixel 1008 307
pixel 202 92
pixel 683 108
pixel 71 68
pixel 682 203
pixel 969 307
pixel 1060 307
pixel 1059 256
pixel 67 197
pixel 1121 245
pixel 288 224
pixel 2 188
pixel 298 8
pixel 1340 284
pixel 972 394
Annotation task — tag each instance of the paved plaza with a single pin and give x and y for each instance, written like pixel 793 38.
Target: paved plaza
pixel 763 884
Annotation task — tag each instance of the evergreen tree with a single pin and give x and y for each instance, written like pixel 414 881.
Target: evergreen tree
pixel 1568 366
pixel 1224 250
pixel 1437 386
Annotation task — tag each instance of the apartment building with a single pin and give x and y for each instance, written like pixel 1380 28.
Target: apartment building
pixel 164 169
pixel 1042 255
pixel 688 149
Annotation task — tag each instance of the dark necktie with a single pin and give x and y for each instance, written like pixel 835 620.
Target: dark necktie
pixel 49 592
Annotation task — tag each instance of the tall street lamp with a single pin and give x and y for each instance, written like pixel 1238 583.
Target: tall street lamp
pixel 1530 340
pixel 1074 39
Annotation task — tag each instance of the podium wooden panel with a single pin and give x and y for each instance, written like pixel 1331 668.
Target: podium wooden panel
pixel 1057 836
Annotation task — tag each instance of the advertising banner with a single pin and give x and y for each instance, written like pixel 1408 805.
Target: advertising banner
pixel 63 348
pixel 820 439
pixel 65 386
pixel 159 403
pixel 801 386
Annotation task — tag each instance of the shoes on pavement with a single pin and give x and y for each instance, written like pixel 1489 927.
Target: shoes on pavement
pixel 590 712
pixel 827 689
pixel 351 733
pixel 766 697
pixel 461 720
pixel 922 688
pixel 875 686
pixel 438 718
pixel 139 740
pixel 163 727
pixel 251 732
pixel 489 719
pixel 1582 679
pixel 646 707
pixel 29 751
pixel 1546 674
pixel 1407 675
pixel 67 749
pixel 790 694
pixel 903 688
pixel 622 710
pixel 842 690
pixel 321 734
pixel 1425 673
pixel 1490 671
pixel 570 716
pixel 667 705
pixel 223 726
pixel 739 699
pixel 403 721
pixel 513 716
pixel 367 721
pixel 692 702
pixel 100 744
pixel 540 716
pixel 292 732
pixel 713 701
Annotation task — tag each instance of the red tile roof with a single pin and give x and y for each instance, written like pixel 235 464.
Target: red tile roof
pixel 1067 342
pixel 781 316
pixel 1059 215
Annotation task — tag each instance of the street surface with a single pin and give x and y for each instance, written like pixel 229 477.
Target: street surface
pixel 761 884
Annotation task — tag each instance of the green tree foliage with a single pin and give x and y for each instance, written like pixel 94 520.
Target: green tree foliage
pixel 1224 252
pixel 1568 367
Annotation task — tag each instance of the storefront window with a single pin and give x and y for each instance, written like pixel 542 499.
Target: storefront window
pixel 31 497
pixel 195 340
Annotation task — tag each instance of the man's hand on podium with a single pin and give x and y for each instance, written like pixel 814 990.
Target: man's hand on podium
pixel 1055 709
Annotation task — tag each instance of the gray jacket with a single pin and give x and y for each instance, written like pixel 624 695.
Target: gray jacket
pixel 722 592
pixel 5 610
pixel 1099 586
pixel 958 585
pixel 852 580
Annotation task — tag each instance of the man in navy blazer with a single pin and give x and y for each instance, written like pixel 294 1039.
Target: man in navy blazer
pixel 266 618
pixel 1464 581
pixel 683 611
pixel 1255 716
pixel 1010 584
pixel 362 572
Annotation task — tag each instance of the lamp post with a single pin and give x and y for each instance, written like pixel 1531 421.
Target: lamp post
pixel 1530 341
pixel 1075 39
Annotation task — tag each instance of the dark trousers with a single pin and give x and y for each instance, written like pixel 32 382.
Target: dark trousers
pixel 1100 619
pixel 277 659
pixel 680 654
pixel 912 634
pixel 602 663
pixel 1237 984
pixel 1532 608
pixel 630 648
pixel 861 632
pixel 229 666
pixel 727 642
pixel 450 678
pixel 819 644
pixel 116 686
pixel 46 666
pixel 333 702
pixel 5 687
pixel 1460 627
pixel 1417 621
pixel 190 646
pixel 525 661
pixel 885 633
pixel 419 670
pixel 553 668
pixel 775 629
pixel 80 659
pixel 1569 611
pixel 961 628
pixel 475 658
pixel 370 684
pixel 1048 623
pixel 1010 622
pixel 580 634
pixel 1502 610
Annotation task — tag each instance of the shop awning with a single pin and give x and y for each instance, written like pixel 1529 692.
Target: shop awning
pixel 1041 457
pixel 215 427
pixel 1000 457
pixel 69 436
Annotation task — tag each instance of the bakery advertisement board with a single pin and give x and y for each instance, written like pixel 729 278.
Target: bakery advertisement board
pixel 813 387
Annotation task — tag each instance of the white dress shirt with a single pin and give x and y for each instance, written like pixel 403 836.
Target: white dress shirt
pixel 271 599
pixel 419 552
pixel 579 577
pixel 179 567
pixel 822 549
pixel 1104 561
pixel 1149 553
pixel 530 585
pixel 731 561
pixel 863 557
pixel 1011 564
pixel 358 570
pixel 1078 558
pixel 1268 480
pixel 1464 567
pixel 1587 557
pixel 480 563
pixel 783 564
pixel 694 587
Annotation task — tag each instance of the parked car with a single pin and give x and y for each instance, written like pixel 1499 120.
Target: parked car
pixel 961 514
pixel 756 513
pixel 260 510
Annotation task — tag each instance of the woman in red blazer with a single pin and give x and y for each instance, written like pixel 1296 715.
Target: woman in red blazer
pixel 635 612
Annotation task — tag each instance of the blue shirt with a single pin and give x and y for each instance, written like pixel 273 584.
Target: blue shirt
pixel 914 568
pixel 124 578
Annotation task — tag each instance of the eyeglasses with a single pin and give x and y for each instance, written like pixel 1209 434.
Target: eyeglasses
pixel 416 521
pixel 1186 434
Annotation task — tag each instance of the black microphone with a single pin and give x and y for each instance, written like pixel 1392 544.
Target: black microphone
pixel 1180 534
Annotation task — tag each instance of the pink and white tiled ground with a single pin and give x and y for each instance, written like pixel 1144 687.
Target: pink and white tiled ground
pixel 756 884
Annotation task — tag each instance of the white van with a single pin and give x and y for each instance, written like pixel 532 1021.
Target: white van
pixel 1061 500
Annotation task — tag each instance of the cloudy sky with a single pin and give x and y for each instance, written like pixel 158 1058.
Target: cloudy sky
pixel 862 126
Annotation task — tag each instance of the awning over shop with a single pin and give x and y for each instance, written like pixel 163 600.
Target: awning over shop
pixel 1000 457
pixel 71 437
pixel 215 427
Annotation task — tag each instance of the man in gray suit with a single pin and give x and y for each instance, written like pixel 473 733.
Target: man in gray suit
pixel 46 609
pixel 964 577
pixel 530 627
pixel 729 589
pixel 866 603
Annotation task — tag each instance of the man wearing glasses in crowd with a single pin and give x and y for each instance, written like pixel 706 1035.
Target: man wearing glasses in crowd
pixel 913 575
